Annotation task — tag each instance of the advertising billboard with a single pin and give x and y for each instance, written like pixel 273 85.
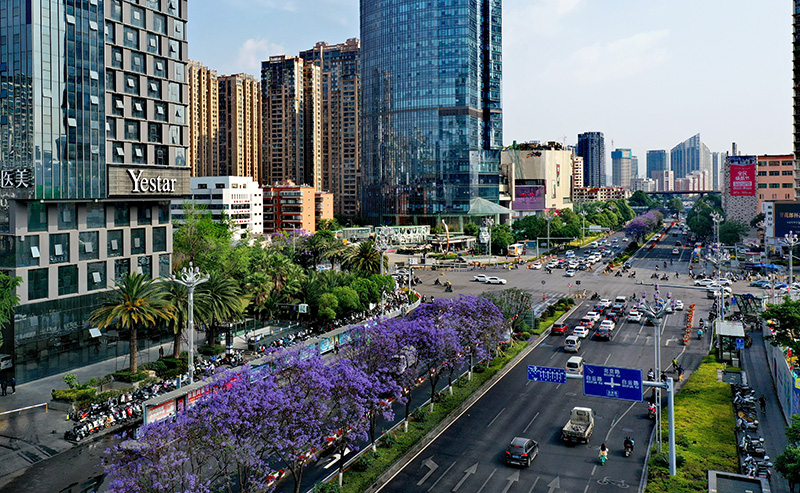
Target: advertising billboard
pixel 529 198
pixel 743 176
pixel 786 218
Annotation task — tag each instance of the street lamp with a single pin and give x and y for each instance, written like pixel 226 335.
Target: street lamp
pixel 548 216
pixel 191 278
pixel 791 239
pixel 488 222
pixel 383 239
pixel 583 229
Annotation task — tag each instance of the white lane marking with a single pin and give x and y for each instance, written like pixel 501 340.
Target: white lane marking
pixel 534 484
pixel 607 358
pixel 495 418
pixel 616 422
pixel 487 480
pixel 529 424
pixel 443 475
pixel 634 341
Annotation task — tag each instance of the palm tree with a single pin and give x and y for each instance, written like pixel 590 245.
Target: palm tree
pixel 220 300
pixel 365 257
pixel 135 302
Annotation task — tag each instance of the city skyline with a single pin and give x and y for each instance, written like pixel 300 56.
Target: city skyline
pixel 663 64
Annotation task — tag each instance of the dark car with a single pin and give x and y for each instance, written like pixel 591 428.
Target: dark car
pixel 613 316
pixel 522 451
pixel 604 334
pixel 559 328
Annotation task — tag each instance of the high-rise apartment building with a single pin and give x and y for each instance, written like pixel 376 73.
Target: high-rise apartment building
pixel 592 148
pixel 775 178
pixel 284 107
pixel 240 126
pixel 621 167
pixel 690 155
pixel 431 108
pixel 203 118
pixel 657 160
pixel 93 138
pixel 340 139
pixel 796 67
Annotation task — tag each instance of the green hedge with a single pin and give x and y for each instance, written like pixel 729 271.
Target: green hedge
pixel 128 377
pixel 211 350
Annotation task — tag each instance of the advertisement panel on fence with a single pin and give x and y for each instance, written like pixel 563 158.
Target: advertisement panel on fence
pixel 743 176
pixel 529 198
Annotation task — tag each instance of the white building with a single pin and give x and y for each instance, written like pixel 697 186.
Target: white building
pixel 643 184
pixel 238 197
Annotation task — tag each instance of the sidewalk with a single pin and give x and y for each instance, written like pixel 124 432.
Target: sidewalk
pixel 772 425
pixel 31 436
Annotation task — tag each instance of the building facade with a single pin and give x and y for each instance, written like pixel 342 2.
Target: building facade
pixel 203 118
pixel 643 184
pixel 238 199
pixel 288 207
pixel 539 176
pixel 431 109
pixel 621 166
pixel 665 180
pixel 657 160
pixel 240 126
pixel 93 136
pixel 775 179
pixel 592 148
pixel 743 205
pixel 340 85
pixel 599 194
pixel 796 76
pixel 690 155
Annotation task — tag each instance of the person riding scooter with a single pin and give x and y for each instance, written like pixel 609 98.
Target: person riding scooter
pixel 627 445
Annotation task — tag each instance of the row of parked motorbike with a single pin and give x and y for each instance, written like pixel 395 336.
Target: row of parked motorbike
pixel 755 462
pixel 127 408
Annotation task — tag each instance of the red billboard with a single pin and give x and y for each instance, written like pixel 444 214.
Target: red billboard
pixel 743 176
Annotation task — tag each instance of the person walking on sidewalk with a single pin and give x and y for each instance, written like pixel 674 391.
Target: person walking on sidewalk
pixel 762 403
pixel 13 385
pixel 3 387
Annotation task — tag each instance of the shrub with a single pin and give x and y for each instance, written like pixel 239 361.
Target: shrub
pixel 364 462
pixel 211 350
pixel 73 395
pixel 387 441
pixel 327 487
pixel 419 415
pixel 71 380
pixel 128 377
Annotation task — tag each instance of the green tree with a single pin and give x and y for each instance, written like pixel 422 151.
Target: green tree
pixel 347 299
pixel 786 317
pixel 328 225
pixel 675 205
pixel 501 238
pixel 514 304
pixel 134 303
pixel 793 430
pixel 220 301
pixel 364 257
pixel 471 229
pixel 641 199
pixel 8 300
pixel 788 464
pixel 732 232
pixel 201 240
pixel 328 306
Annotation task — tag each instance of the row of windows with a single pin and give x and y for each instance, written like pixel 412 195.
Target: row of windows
pixel 776 185
pixel 95 215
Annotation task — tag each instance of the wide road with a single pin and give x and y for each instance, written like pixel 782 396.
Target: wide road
pixel 468 456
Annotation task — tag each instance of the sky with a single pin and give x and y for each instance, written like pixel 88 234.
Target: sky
pixel 648 74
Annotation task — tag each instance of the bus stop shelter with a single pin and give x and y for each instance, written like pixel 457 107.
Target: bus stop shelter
pixel 730 341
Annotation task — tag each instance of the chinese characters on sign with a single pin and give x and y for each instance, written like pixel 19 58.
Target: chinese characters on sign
pixel 743 176
pixel 611 382
pixel 16 178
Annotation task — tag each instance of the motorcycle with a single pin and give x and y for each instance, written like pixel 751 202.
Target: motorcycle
pixel 603 458
pixel 628 447
pixel 651 411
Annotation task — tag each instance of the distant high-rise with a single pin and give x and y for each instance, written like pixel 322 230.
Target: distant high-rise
pixel 240 126
pixel 284 107
pixel 341 89
pixel 690 155
pixel 621 167
pixel 592 148
pixel 203 144
pixel 657 160
pixel 634 167
pixel 431 108
pixel 796 59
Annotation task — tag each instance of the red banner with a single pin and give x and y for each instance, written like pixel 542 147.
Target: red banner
pixel 743 176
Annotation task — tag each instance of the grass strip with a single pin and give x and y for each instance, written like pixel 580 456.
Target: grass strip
pixel 705 435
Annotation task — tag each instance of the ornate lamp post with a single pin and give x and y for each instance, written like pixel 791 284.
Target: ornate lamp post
pixel 191 278
pixel 548 216
pixel 383 240
pixel 583 229
pixel 791 239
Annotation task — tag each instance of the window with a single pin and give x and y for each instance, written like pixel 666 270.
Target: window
pixel 787 185
pixel 180 72
pixel 67 279
pixel 162 155
pixel 160 112
pixel 116 10
pixel 37 284
pixel 59 248
pixel 37 216
pixel 27 252
pixel 137 17
pixel 67 216
pixel 762 173
pixel 137 63
pixel 163 265
pixel 160 23
pixel 787 173
pixel 95 275
pixel 122 267
pixel 131 130
pixel 138 108
pixel 110 33
pixel 137 241
pixel 139 154
pixel 159 239
pixel 762 185
pixel 174 92
pixel 145 215
pixel 154 4
pixel 173 8
pixel 122 215
pixel 175 134
pixel 180 114
pixel 174 49
pixel 774 173
pixel 774 185
pixel 95 216
pixel 117 106
pixel 118 156
pixel 153 43
pixel 160 67
pixel 130 38
pixel 180 156
pixel 154 88
pixel 88 245
pixel 179 29
pixel 163 214
pixel 154 132
pixel 111 80
pixel 114 243
pixel 145 266
pixel 116 57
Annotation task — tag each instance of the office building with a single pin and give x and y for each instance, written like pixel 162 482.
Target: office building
pixel 775 178
pixel 739 187
pixel 621 167
pixel 657 160
pixel 87 167
pixel 665 180
pixel 203 118
pixel 634 167
pixel 239 126
pixel 431 127
pixel 717 164
pixel 290 147
pixel 540 175
pixel 340 85
pixel 239 199
pixel 643 184
pixel 690 155
pixel 592 148
pixel 288 207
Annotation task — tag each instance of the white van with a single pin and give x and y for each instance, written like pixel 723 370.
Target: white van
pixel 572 344
pixel 575 365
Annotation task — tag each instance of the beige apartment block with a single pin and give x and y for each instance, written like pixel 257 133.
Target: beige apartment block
pixel 203 148
pixel 240 126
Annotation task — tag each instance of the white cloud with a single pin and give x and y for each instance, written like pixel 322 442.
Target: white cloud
pixel 253 52
pixel 541 17
pixel 247 5
pixel 620 59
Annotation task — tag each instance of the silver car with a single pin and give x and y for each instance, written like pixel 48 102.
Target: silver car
pixel 495 280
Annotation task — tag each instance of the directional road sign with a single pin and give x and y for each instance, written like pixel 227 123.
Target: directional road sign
pixel 612 382
pixel 547 374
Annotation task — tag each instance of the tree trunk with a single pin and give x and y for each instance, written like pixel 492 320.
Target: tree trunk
pixel 134 349
pixel 176 343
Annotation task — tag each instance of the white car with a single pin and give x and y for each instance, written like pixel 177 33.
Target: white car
pixel 723 282
pixel 625 238
pixel 569 254
pixel 570 273
pixel 678 305
pixel 536 266
pixel 580 331
pixel 634 316
pixel 495 280
pixel 480 278
pixel 703 282
pixel 593 315
pixel 606 303
pixel 552 265
pixel 676 251
pixel 608 323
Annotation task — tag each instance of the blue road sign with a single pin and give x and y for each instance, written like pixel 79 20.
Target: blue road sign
pixel 739 343
pixel 547 374
pixel 612 382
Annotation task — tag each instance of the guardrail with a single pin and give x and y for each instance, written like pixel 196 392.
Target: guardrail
pixel 26 408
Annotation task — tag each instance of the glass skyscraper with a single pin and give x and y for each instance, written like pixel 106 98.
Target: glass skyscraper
pixel 431 114
pixel 592 148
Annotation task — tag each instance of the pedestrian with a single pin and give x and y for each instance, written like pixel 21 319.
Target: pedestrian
pixel 160 352
pixel 762 402
pixel 663 377
pixel 674 363
pixel 336 348
pixel 14 385
pixel 651 375
pixel 3 387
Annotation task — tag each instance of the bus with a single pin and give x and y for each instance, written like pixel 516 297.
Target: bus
pixel 516 249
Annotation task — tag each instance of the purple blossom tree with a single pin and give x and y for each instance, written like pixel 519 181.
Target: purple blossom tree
pixel 435 344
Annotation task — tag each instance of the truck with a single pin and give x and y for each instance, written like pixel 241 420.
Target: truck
pixel 580 425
